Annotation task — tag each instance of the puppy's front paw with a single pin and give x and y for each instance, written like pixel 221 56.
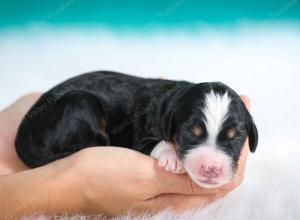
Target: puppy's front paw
pixel 167 157
pixel 170 162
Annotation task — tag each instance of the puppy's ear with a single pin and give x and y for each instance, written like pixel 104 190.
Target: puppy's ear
pixel 250 126
pixel 166 126
pixel 252 134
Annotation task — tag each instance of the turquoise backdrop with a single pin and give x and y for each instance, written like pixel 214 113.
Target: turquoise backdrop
pixel 134 13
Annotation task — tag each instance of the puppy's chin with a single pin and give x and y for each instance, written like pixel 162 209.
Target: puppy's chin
pixel 207 185
pixel 211 183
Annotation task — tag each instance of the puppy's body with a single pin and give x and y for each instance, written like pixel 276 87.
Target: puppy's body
pixel 107 108
pixel 127 110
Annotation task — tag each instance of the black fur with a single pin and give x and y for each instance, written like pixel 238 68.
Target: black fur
pixel 108 108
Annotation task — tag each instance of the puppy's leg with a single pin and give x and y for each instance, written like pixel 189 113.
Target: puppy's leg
pixel 167 157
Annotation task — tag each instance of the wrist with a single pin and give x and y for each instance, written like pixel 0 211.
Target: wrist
pixel 51 189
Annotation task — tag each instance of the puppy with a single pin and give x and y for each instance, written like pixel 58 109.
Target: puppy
pixel 195 128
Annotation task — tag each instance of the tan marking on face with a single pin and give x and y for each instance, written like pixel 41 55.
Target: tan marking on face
pixel 198 131
pixel 231 133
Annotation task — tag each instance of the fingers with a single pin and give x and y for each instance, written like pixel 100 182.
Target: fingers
pixel 245 150
pixel 238 179
pixel 243 158
pixel 247 101
pixel 13 114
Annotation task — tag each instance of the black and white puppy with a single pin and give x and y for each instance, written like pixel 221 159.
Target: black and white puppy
pixel 195 128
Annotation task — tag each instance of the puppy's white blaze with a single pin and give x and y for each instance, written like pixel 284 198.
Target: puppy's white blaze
pixel 207 154
pixel 215 111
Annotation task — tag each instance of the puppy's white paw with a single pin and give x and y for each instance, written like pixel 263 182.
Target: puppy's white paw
pixel 170 162
pixel 167 157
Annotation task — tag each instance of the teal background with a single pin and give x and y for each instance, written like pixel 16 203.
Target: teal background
pixel 134 13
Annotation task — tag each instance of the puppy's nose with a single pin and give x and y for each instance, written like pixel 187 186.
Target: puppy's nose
pixel 211 171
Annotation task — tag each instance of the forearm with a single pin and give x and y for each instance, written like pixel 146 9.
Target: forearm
pixel 22 193
pixel 48 190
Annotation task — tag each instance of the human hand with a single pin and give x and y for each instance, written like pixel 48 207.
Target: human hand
pixel 114 180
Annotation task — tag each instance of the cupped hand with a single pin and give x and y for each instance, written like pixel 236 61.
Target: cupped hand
pixel 115 180
pixel 108 180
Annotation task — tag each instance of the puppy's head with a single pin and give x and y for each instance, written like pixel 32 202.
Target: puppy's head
pixel 208 124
